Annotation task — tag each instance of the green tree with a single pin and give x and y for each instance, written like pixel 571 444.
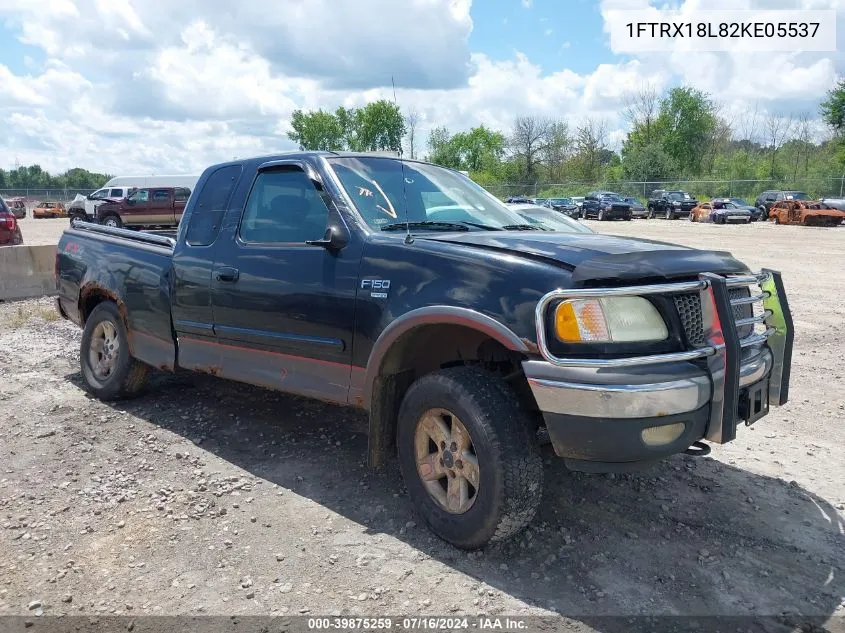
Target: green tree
pixel 480 149
pixel 647 163
pixel 441 149
pixel 316 130
pixel 379 126
pixel 686 121
pixel 832 109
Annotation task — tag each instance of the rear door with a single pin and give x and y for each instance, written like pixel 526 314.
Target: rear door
pixel 180 199
pixel 161 207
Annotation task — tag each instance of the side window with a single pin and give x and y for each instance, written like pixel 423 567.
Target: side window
pixel 140 195
pixel 116 193
pixel 100 195
pixel 283 207
pixel 180 194
pixel 161 195
pixel 211 206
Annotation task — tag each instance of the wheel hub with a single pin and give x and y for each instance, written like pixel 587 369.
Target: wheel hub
pixel 446 460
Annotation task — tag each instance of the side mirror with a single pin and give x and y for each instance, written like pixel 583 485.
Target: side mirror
pixel 334 239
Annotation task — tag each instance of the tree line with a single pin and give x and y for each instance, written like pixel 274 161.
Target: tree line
pixel 680 134
pixel 34 177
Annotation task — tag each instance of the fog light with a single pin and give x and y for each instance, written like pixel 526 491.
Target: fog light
pixel 660 435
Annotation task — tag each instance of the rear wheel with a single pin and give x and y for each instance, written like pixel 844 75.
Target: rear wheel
pixel 469 460
pixel 109 371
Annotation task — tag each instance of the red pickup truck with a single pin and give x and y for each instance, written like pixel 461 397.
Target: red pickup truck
pixel 151 206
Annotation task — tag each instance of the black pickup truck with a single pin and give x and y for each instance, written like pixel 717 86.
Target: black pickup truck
pixel 405 289
pixel 670 204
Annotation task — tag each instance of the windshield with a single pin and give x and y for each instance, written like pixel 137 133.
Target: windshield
pixel 795 195
pixel 554 221
pixel 611 198
pixel 428 194
pixel 631 200
pixel 677 195
pixel 740 202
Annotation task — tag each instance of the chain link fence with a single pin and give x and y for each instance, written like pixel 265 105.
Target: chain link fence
pixel 44 195
pixel 833 187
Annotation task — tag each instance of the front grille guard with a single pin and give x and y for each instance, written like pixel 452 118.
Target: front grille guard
pixel 723 347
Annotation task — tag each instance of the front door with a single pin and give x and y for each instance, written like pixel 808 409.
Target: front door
pixel 137 207
pixel 284 310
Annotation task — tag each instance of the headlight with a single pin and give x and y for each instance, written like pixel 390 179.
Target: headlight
pixel 609 320
pixel 676 204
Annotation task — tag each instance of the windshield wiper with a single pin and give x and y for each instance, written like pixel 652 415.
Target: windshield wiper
pixel 521 227
pixel 428 224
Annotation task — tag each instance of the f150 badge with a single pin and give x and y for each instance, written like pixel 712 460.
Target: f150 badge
pixel 378 287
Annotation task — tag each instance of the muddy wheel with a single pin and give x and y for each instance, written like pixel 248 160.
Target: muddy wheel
pixel 107 367
pixel 113 221
pixel 468 457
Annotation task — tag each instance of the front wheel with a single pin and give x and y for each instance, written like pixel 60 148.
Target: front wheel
pixel 113 221
pixel 468 457
pixel 109 371
pixel 650 215
pixel 669 214
pixel 601 215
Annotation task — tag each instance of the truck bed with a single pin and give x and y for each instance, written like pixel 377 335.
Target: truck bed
pixel 132 268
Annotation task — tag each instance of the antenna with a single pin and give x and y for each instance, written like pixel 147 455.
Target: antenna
pixel 409 239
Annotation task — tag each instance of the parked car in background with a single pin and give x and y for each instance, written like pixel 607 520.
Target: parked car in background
pixel 578 200
pixel 85 207
pixel 549 219
pixel 162 206
pixel 519 200
pixel 670 204
pixel 726 212
pixel 834 203
pixel 756 214
pixel 563 205
pixel 702 213
pixel 638 210
pixel 605 205
pixel 49 210
pixel 17 206
pixel 766 199
pixel 806 213
pixel 10 228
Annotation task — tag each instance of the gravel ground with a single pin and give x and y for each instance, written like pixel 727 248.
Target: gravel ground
pixel 37 232
pixel 208 497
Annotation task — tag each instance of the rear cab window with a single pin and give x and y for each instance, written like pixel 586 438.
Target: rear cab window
pixel 211 205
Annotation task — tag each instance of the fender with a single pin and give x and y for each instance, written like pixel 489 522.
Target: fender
pixel 433 315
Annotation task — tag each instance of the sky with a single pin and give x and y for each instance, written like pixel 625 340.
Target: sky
pixel 156 86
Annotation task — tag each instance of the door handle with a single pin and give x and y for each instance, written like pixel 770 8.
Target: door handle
pixel 227 274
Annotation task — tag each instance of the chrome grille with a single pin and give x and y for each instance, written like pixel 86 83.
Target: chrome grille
pixel 689 309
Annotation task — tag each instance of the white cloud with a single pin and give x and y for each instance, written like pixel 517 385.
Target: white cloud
pixel 548 32
pixel 162 87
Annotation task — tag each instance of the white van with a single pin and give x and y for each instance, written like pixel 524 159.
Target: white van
pixel 120 187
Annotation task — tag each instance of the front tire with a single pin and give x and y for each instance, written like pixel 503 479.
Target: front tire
pixel 113 221
pixel 669 214
pixel 468 457
pixel 601 215
pixel 109 371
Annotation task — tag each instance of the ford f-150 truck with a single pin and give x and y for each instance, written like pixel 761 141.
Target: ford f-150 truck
pixel 407 290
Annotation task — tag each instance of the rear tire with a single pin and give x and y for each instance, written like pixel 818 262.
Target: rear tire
pixel 503 460
pixel 109 371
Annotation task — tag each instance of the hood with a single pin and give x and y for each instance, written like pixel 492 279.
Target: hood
pixel 595 257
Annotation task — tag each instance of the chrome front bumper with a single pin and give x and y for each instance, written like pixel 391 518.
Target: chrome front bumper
pixel 662 385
